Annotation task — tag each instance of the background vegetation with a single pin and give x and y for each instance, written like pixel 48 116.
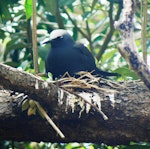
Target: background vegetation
pixel 89 21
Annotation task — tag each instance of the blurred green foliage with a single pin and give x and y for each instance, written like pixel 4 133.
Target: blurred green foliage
pixel 42 145
pixel 89 21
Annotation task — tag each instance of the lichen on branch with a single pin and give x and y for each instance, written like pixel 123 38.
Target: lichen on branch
pixel 128 48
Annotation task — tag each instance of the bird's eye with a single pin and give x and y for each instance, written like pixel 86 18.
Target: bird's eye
pixel 60 37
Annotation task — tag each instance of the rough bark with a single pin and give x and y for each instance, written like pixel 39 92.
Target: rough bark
pixel 128 48
pixel 126 104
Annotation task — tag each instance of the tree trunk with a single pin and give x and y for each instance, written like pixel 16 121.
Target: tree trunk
pixel 126 104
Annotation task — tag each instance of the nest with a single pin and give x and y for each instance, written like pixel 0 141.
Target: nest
pixel 90 91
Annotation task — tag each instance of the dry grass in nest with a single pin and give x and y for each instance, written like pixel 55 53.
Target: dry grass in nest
pixel 90 89
pixel 86 82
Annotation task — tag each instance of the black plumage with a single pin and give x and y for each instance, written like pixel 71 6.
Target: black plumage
pixel 67 56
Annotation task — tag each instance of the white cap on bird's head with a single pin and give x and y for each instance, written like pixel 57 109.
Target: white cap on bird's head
pixel 58 33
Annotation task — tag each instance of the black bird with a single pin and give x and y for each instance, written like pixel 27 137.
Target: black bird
pixel 67 56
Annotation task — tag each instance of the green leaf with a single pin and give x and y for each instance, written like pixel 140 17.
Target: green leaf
pixel 13 45
pixel 108 55
pixel 43 51
pixel 25 105
pixel 51 6
pixel 65 2
pixel 86 15
pixel 28 8
pixel 2 33
pixel 41 65
pixel 137 147
pixel 31 111
pixel 126 72
pixel 4 11
pixel 93 4
pixel 12 64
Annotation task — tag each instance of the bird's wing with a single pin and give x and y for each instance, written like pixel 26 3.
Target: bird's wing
pixel 88 62
pixel 86 57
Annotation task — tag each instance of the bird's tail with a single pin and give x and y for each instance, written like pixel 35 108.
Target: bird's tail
pixel 104 73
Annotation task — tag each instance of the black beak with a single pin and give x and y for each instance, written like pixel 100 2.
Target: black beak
pixel 46 42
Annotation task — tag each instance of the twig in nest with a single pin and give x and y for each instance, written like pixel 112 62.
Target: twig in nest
pixel 86 81
pixel 117 85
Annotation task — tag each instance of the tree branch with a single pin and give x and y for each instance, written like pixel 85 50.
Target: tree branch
pixel 126 104
pixel 128 47
pixel 144 28
pixel 74 23
pixel 87 28
pixel 111 30
pixel 59 17
pixel 34 37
